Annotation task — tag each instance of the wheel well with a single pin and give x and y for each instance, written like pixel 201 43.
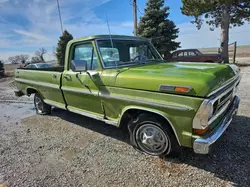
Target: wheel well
pixel 30 91
pixel 133 113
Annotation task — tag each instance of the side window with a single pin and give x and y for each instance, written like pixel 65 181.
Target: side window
pixel 180 54
pixel 191 53
pixel 85 52
pixel 185 53
pixel 174 55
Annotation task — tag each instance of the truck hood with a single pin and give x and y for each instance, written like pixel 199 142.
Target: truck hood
pixel 202 78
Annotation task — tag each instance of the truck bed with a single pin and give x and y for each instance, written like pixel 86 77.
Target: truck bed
pixel 46 81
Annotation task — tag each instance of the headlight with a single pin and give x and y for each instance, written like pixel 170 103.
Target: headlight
pixel 210 111
pixel 203 115
pixel 235 68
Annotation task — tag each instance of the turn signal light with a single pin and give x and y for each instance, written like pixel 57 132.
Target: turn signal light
pixel 182 89
pixel 200 131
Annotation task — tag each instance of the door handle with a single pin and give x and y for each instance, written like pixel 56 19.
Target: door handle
pixel 54 76
pixel 17 76
pixel 67 77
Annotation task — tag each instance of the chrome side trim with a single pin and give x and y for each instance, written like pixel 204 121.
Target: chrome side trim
pixel 202 145
pixel 148 110
pixel 53 103
pixel 49 85
pixel 147 102
pixel 87 114
pixel 81 91
pixel 225 85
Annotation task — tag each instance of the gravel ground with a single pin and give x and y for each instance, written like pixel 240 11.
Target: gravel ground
pixel 65 149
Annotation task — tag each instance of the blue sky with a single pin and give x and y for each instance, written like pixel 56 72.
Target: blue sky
pixel 28 25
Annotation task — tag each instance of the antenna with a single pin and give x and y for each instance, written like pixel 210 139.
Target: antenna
pixel 111 41
pixel 60 18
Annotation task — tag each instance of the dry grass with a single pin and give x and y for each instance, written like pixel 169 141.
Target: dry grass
pixel 242 51
pixel 11 67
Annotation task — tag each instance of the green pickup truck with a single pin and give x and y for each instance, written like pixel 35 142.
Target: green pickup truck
pixel 123 81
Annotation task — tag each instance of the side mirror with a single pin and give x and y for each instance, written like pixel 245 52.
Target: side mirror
pixel 79 65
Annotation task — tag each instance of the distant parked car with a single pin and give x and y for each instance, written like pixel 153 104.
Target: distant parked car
pixel 193 55
pixel 39 65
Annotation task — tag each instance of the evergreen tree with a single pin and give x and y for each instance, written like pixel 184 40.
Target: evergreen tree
pixel 61 47
pixel 218 13
pixel 156 26
pixel 1 69
pixel 1 65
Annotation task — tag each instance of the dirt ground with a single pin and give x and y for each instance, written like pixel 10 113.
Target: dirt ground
pixel 65 149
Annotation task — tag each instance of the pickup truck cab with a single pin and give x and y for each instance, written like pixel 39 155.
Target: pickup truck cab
pixel 123 81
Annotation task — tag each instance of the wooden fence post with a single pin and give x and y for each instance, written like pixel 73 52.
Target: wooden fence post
pixel 235 47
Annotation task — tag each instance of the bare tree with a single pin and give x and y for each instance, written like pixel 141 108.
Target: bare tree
pixel 14 59
pixel 23 58
pixel 40 54
pixel 35 59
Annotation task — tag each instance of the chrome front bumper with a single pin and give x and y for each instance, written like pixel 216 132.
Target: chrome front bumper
pixel 202 145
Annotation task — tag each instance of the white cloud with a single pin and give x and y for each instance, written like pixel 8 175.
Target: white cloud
pixel 190 37
pixel 31 35
pixel 127 24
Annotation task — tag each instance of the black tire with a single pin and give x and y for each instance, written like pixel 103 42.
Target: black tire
pixel 41 107
pixel 143 120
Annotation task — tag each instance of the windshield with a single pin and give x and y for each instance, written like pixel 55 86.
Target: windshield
pixel 126 52
pixel 198 52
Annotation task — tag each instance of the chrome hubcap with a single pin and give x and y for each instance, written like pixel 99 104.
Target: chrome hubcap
pixel 39 104
pixel 152 139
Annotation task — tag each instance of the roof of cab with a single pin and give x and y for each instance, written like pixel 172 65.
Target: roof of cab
pixel 107 37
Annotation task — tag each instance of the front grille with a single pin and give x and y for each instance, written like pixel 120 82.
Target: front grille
pixel 220 103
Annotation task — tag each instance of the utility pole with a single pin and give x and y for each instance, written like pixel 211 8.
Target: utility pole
pixel 135 16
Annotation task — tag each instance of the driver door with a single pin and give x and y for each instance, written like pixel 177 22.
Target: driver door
pixel 80 88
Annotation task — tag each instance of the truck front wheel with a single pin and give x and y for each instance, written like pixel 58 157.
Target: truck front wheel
pixel 41 107
pixel 151 135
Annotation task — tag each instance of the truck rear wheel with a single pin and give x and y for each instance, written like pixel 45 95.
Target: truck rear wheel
pixel 41 107
pixel 152 135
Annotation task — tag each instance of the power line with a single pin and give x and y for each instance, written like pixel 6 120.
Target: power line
pixel 60 18
pixel 131 3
